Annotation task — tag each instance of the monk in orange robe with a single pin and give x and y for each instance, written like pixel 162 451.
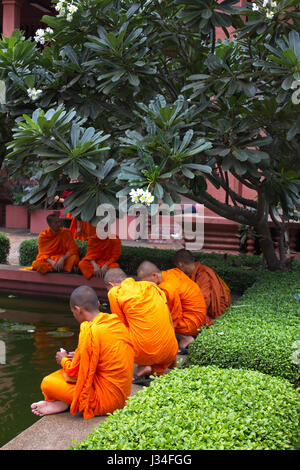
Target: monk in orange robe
pixel 185 301
pixel 215 290
pixel 57 250
pixel 142 307
pixel 96 379
pixel 101 255
pixel 81 230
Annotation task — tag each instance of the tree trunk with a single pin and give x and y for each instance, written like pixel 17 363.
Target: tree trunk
pixel 267 246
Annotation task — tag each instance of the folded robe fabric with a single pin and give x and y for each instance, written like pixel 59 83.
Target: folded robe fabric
pixel 105 251
pixel 186 302
pixel 215 290
pixel 142 307
pixel 103 364
pixel 87 229
pixel 54 245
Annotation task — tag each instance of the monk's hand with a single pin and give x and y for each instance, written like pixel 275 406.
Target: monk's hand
pixel 103 270
pixel 71 354
pixel 97 269
pixel 59 356
pixel 60 264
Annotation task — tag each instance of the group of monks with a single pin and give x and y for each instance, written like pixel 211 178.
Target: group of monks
pixel 154 316
pixel 58 251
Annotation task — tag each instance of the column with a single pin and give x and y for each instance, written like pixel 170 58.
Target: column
pixel 11 16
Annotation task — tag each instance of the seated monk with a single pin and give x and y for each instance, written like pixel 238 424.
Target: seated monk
pixel 57 250
pixel 185 301
pixel 81 230
pixel 142 307
pixel 101 255
pixel 216 292
pixel 96 379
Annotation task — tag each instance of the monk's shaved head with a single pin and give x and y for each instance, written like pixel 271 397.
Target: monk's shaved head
pixel 51 217
pixel 146 268
pixel 148 271
pixel 183 256
pixel 84 297
pixel 115 276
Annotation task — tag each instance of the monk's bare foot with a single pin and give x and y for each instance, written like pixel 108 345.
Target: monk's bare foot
pixel 184 341
pixel 143 370
pixel 42 408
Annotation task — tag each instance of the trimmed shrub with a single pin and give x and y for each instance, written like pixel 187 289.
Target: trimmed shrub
pixel 28 251
pixel 257 332
pixel 238 271
pixel 204 408
pixel 4 248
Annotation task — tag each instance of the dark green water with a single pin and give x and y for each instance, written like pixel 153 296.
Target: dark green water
pixel 26 328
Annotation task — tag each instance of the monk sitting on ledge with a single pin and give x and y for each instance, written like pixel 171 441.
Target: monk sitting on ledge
pixel 142 307
pixel 184 298
pixel 101 255
pixel 215 290
pixel 57 250
pixel 96 379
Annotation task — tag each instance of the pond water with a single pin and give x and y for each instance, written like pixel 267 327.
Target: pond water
pixel 31 332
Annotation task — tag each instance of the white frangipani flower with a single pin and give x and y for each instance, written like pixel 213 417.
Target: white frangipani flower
pixel 254 7
pixel 33 93
pixel 72 8
pixel 65 8
pixel 142 196
pixel 270 14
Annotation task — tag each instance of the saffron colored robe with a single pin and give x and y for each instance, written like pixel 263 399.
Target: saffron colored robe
pixel 103 365
pixel 105 251
pixel 54 245
pixel 87 229
pixel 142 307
pixel 186 302
pixel 215 291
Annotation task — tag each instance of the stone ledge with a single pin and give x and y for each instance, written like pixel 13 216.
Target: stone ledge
pixel 60 285
pixel 56 432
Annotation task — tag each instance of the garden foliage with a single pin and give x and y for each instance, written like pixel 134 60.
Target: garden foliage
pixel 123 95
pixel 257 332
pixel 204 408
pixel 238 271
pixel 4 248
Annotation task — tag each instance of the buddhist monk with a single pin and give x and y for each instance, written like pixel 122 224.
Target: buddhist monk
pixel 143 308
pixel 57 250
pixel 185 301
pixel 101 255
pixel 96 379
pixel 215 291
pixel 81 230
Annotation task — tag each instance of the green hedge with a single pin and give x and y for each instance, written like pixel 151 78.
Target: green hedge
pixel 4 248
pixel 204 408
pixel 257 332
pixel 239 272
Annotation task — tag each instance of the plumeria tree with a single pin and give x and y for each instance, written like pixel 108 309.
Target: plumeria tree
pixel 142 100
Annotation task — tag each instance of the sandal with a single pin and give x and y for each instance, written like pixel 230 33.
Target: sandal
pixel 143 380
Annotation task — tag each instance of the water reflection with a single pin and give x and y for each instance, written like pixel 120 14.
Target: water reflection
pixel 30 355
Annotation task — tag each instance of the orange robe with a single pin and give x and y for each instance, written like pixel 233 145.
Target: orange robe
pixel 54 245
pixel 87 229
pixel 185 300
pixel 105 251
pixel 103 365
pixel 215 290
pixel 142 307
